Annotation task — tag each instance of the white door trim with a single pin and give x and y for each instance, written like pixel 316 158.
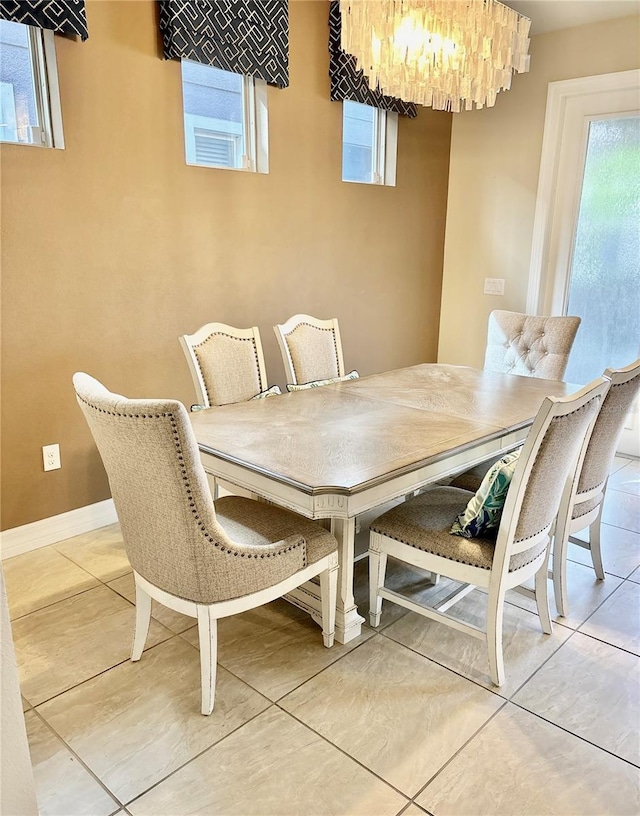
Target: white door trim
pixel 560 96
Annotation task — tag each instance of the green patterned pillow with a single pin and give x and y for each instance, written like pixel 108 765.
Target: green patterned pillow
pixel 274 391
pixel 352 375
pixel 482 515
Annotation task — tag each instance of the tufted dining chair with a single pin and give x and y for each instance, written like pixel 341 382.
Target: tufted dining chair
pixel 417 531
pixel 204 559
pixel 311 349
pixel 226 364
pixel 582 506
pixel 530 345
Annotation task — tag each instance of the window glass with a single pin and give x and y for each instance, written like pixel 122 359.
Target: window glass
pixel 18 106
pixel 359 127
pixel 604 286
pixel 214 116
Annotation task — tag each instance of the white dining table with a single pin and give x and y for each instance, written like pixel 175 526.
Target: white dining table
pixel 341 450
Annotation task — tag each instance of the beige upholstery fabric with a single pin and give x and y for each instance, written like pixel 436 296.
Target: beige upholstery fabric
pixel 424 522
pixel 472 479
pixel 529 345
pixel 169 525
pixel 313 353
pixel 229 368
pixel 606 432
pixel 556 456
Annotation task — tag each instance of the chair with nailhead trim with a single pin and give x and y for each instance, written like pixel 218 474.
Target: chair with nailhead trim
pixel 202 558
pixel 226 363
pixel 582 507
pixel 311 349
pixel 417 531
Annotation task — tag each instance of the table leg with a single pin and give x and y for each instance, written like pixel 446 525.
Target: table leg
pixel 348 621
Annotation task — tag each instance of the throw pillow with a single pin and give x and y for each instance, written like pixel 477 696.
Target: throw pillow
pixel 483 513
pixel 352 375
pixel 274 391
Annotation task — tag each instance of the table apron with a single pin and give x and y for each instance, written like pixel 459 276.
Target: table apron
pixel 342 505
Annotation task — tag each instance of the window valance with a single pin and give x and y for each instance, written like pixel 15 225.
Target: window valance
pixel 244 36
pixel 349 83
pixel 66 16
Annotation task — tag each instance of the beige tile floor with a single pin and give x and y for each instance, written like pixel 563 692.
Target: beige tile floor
pixel 402 721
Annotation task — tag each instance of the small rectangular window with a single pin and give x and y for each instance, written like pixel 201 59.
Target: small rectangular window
pixel 225 119
pixel 369 144
pixel 29 96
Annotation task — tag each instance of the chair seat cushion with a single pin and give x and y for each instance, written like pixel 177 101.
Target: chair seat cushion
pixel 247 521
pixel 424 522
pixel 472 479
pixel 483 513
pixel 352 375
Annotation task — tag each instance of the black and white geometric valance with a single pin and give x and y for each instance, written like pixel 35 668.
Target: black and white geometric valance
pixel 243 36
pixel 66 16
pixel 349 83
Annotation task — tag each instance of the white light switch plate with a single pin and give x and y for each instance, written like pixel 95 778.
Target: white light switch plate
pixel 494 286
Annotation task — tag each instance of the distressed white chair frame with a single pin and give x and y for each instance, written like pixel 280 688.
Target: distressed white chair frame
pixel 190 341
pixel 283 330
pixel 207 615
pixel 567 527
pixel 498 579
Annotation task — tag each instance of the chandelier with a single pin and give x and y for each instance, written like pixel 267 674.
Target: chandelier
pixel 444 54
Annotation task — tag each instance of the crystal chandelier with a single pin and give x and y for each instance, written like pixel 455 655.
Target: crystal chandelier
pixel 444 54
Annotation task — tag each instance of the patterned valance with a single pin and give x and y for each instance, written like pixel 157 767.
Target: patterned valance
pixel 349 83
pixel 66 16
pixel 243 36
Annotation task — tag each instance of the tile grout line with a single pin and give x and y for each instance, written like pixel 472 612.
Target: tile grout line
pixel 47 725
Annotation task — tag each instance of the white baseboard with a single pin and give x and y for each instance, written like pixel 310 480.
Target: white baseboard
pixel 56 528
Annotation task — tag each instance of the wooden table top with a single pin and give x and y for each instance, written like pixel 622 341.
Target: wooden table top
pixel 349 434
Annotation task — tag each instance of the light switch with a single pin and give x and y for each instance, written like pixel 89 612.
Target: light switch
pixel 494 286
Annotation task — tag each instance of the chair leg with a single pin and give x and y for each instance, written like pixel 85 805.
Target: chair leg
pixel 594 544
pixel 328 599
pixel 377 570
pixel 208 639
pixel 495 611
pixel 542 596
pixel 143 619
pixel 560 592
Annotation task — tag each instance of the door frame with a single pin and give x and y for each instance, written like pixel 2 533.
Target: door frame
pixel 559 187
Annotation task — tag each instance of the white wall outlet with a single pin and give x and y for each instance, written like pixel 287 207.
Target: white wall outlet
pixel 51 457
pixel 494 286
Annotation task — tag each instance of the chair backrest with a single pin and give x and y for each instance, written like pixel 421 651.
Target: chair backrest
pixel 226 364
pixel 530 345
pixel 160 491
pixel 311 349
pixel 625 386
pixel 551 456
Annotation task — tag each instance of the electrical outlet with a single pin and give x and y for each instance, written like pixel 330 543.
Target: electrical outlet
pixel 51 457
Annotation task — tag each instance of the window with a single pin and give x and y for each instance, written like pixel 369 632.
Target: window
pixel 29 98
pixel 225 118
pixel 369 144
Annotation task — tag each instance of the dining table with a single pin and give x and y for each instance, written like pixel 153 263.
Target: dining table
pixel 335 452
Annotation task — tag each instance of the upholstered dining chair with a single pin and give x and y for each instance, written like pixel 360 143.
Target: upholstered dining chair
pixel 311 349
pixel 581 507
pixel 418 530
pixel 530 345
pixel 203 559
pixel 226 364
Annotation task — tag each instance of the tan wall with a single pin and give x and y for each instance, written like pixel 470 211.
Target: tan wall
pixel 495 159
pixel 113 247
